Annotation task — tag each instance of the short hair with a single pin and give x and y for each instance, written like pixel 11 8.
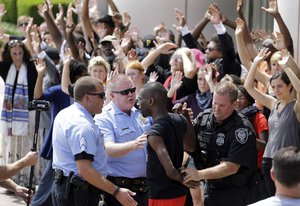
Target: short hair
pixel 215 39
pixel 108 20
pixel 99 60
pixel 85 85
pixel 242 89
pixel 77 69
pixel 157 91
pixel 286 166
pixel 117 79
pixel 23 18
pixel 136 65
pixel 227 88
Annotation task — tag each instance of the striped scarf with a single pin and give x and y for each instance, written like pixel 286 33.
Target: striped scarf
pixel 15 114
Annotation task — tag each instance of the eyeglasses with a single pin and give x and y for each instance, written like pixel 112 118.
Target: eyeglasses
pixel 23 24
pixel 125 91
pixel 100 94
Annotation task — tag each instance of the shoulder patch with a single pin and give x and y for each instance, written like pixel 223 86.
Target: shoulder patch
pixel 241 135
pixel 83 144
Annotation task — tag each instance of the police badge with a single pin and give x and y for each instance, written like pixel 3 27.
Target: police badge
pixel 241 135
pixel 220 139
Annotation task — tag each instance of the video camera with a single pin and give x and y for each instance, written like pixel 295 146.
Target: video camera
pixel 40 105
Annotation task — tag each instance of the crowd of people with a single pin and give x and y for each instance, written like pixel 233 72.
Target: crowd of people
pixel 165 119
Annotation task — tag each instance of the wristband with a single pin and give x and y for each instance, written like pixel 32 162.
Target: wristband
pixel 116 191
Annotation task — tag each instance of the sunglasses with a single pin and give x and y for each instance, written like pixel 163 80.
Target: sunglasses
pixel 100 94
pixel 125 91
pixel 15 42
pixel 23 24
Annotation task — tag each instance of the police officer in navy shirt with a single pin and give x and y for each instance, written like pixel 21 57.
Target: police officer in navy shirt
pixel 79 156
pixel 225 153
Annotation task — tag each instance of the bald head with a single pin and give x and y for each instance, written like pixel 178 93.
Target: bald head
pixel 157 91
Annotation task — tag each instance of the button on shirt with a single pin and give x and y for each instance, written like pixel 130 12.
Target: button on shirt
pixel 75 132
pixel 119 127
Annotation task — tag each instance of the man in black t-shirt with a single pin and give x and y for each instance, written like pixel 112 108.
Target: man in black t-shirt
pixel 166 141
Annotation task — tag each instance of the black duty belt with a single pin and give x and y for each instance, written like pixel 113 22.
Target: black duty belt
pixel 134 184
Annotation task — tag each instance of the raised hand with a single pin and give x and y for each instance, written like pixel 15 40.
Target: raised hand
pixel 126 19
pixel 278 40
pixel 132 55
pixel 273 8
pixel 153 77
pixel 263 54
pixel 240 25
pixel 180 17
pixel 215 14
pixel 239 6
pixel 40 66
pixel 167 48
pixel 2 10
pixel 117 18
pixel 176 80
pixel 285 55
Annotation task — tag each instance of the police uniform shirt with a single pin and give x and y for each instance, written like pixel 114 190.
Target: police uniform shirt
pixel 233 140
pixel 75 136
pixel 119 127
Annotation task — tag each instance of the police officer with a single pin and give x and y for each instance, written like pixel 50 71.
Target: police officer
pixel 123 128
pixel 225 153
pixel 79 156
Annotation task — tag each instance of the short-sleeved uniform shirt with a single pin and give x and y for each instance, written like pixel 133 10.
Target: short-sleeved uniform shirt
pixel 119 127
pixel 74 133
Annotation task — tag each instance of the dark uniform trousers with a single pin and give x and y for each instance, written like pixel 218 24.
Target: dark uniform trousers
pixel 65 193
pixel 137 185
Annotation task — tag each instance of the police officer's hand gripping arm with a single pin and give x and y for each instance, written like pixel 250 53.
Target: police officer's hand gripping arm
pixel 86 171
pixel 224 169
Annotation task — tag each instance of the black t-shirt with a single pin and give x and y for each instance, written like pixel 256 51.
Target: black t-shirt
pixel 172 129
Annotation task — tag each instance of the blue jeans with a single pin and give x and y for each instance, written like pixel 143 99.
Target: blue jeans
pixel 42 197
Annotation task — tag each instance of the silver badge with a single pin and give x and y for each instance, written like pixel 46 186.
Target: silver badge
pixel 241 135
pixel 220 139
pixel 82 144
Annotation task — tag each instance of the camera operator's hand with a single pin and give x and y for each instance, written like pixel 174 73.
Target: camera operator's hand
pixel 30 159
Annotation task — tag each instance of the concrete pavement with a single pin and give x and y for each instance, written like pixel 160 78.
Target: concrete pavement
pixel 10 199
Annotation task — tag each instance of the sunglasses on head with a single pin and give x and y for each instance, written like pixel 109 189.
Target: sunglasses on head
pixel 100 94
pixel 125 91
pixel 23 24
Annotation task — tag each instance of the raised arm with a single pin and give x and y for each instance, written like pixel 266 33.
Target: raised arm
pixel 40 68
pixel 53 29
pixel 165 48
pixel 189 67
pixel 293 78
pixel 249 45
pixel 86 24
pixel 273 10
pixel 265 99
pixel 244 55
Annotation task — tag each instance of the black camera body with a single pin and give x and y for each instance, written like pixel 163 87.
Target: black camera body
pixel 40 105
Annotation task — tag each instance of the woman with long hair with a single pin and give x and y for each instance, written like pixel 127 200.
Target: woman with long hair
pixel 284 120
pixel 19 75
